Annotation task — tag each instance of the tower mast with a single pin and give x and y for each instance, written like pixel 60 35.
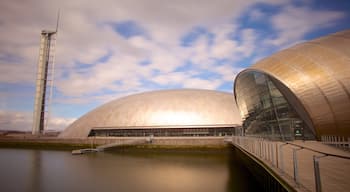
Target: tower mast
pixel 44 80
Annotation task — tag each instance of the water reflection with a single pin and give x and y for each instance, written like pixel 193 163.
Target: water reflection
pixel 35 170
pixel 40 170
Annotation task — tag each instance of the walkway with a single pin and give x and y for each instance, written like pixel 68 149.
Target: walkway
pixel 298 171
pixel 111 145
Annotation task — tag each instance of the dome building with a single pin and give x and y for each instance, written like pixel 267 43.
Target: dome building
pixel 169 113
pixel 300 92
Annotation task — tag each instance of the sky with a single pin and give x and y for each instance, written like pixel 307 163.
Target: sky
pixel 108 49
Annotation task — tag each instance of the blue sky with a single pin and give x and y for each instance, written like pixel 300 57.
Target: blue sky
pixel 110 49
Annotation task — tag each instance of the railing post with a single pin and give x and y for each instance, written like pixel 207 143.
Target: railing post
pixel 276 156
pixel 272 156
pixel 317 174
pixel 254 149
pixel 265 156
pixel 281 156
pixel 318 184
pixel 332 140
pixel 260 148
pixel 335 141
pixel 295 165
pixel 264 150
pixel 267 151
pixel 270 152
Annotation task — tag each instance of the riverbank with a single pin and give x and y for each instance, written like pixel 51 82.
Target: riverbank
pixel 159 144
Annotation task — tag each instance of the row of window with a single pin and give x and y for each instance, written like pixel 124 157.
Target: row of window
pixel 163 132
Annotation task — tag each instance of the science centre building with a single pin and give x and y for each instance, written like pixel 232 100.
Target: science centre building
pixel 167 113
pixel 302 92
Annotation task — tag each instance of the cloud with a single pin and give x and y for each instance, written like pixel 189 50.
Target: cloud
pixel 121 75
pixel 59 123
pixel 293 23
pixel 22 121
pixel 85 34
pixel 235 49
pixel 110 48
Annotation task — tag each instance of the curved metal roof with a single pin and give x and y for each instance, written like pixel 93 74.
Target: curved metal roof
pixel 157 109
pixel 317 72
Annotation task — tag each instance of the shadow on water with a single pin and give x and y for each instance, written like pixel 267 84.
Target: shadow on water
pixel 240 178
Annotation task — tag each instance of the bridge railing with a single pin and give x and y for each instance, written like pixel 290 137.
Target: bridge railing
pixel 310 169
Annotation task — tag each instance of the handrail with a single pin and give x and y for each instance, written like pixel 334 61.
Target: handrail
pixel 327 154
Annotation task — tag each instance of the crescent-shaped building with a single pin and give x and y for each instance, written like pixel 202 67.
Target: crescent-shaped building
pixel 299 92
pixel 184 112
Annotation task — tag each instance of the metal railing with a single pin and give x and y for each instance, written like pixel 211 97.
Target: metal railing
pixel 337 141
pixel 300 163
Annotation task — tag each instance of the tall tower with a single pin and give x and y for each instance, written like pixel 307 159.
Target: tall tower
pixel 44 80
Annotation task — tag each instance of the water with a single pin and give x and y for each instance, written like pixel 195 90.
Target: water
pixel 46 170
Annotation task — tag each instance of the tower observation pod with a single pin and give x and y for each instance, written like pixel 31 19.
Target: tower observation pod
pixel 44 81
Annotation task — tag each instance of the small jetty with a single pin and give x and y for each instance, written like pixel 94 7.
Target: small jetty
pixel 110 145
pixel 82 151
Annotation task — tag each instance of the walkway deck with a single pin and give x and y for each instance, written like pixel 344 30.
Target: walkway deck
pixel 278 156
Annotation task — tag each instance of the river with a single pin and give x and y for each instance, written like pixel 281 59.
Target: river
pixel 122 171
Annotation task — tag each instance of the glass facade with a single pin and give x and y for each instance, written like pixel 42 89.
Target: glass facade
pixel 265 111
pixel 164 132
